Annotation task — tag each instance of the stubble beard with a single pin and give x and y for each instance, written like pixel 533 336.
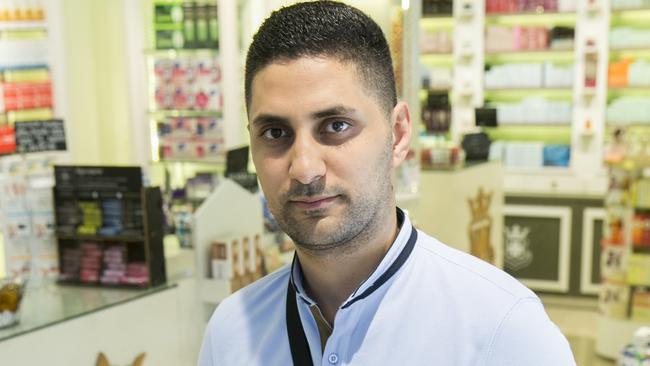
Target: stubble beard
pixel 357 225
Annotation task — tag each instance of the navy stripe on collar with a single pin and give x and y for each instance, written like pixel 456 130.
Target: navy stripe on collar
pixel 394 267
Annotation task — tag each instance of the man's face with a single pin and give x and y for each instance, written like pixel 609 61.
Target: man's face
pixel 322 146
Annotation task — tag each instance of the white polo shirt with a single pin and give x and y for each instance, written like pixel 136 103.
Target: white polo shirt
pixel 425 304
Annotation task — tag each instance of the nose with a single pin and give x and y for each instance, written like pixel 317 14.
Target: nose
pixel 307 165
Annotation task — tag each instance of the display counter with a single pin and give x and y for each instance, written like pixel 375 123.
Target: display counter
pixel 48 304
pixel 70 325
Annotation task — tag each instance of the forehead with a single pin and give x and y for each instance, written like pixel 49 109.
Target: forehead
pixel 306 83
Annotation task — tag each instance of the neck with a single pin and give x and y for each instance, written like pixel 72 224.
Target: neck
pixel 330 279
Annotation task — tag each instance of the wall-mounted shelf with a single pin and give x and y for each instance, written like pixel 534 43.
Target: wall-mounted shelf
pixel 557 56
pixel 549 134
pixel 437 59
pixel 519 93
pixel 630 16
pixel 23 26
pixel 164 113
pixel 101 238
pixel 437 22
pixel 174 53
pixel 537 19
pixel 190 161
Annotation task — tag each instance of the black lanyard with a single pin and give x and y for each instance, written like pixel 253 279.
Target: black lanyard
pixel 300 352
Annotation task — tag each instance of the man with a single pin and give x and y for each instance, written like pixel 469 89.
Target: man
pixel 365 287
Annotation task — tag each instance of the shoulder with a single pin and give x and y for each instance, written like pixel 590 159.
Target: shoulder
pixel 526 336
pixel 263 299
pixel 468 271
pixel 510 317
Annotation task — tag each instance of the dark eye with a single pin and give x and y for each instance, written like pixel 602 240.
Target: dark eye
pixel 274 133
pixel 336 127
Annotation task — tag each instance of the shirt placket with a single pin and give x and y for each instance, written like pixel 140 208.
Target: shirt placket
pixel 337 346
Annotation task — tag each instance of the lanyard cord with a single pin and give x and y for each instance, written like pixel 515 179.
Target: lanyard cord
pixel 300 352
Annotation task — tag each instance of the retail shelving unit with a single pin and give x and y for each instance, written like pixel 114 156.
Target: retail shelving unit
pixel 32 77
pixel 185 74
pixel 546 101
pixel 625 258
pixel 221 217
pixel 436 63
pixel 108 227
pixel 625 264
pixel 549 107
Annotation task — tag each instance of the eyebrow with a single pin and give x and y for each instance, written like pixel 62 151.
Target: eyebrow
pixel 338 110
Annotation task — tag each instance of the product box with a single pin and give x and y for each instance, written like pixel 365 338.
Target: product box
pixel 227 262
pixel 238 260
pixel 168 24
pixel 192 83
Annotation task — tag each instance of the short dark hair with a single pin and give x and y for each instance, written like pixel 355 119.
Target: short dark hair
pixel 325 29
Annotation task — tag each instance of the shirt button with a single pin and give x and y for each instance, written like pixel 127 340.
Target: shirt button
pixel 333 358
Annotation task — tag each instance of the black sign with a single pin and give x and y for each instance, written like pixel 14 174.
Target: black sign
pixel 93 182
pixel 35 136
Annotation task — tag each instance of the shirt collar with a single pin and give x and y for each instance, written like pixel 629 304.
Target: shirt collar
pixel 393 260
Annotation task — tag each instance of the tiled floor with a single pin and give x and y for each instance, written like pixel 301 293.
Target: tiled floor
pixel 577 319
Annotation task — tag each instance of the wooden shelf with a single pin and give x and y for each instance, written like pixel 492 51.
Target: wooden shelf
pixel 103 285
pixel 101 238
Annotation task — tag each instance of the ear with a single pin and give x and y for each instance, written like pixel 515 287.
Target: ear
pixel 400 121
pixel 139 361
pixel 102 360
